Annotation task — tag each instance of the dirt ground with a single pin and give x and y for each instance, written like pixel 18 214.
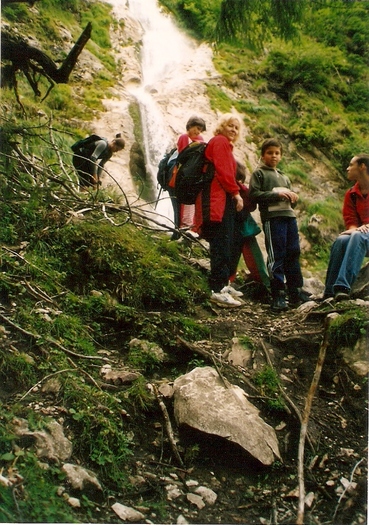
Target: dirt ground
pixel 335 464
pixel 335 461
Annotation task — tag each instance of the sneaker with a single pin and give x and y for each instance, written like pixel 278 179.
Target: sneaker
pixel 341 293
pixel 224 299
pixel 232 291
pixel 341 296
pixel 279 302
pixel 297 297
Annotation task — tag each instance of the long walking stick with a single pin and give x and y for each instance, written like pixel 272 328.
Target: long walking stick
pixel 158 198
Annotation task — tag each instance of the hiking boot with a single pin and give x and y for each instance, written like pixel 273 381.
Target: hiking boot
pixel 279 301
pixel 341 293
pixel 232 291
pixel 225 300
pixel 297 297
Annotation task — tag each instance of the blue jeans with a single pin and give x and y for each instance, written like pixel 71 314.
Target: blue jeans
pixel 283 249
pixel 346 258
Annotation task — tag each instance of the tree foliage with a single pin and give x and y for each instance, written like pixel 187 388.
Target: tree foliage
pixel 255 21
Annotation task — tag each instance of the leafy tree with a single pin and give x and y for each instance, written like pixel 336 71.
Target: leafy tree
pixel 255 21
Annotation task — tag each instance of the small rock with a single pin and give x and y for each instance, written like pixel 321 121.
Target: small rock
pixel 80 478
pixel 196 500
pixel 74 502
pixel 181 520
pixel 192 483
pixel 309 498
pixel 208 495
pixel 127 513
pixel 173 492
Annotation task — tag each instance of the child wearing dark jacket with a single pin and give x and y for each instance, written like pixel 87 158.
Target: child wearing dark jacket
pixel 244 241
pixel 271 189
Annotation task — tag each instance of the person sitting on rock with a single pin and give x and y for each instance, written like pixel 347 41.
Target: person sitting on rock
pixel 352 245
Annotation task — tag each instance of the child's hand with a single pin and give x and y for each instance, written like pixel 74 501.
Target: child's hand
pixel 288 195
pixel 239 202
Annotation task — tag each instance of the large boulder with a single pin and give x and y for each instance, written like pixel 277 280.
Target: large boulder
pixel 360 287
pixel 203 402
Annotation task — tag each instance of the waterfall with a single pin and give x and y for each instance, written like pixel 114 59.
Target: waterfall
pixel 174 68
pixel 163 50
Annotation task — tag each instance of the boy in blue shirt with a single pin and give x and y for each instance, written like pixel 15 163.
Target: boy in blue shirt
pixel 272 191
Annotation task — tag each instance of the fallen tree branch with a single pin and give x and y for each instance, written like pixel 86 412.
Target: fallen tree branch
pixel 89 376
pixel 168 425
pixel 346 488
pixel 35 63
pixel 45 379
pixel 305 418
pixel 286 396
pixel 49 340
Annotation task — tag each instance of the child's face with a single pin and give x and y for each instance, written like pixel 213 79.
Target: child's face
pixel 272 155
pixel 194 131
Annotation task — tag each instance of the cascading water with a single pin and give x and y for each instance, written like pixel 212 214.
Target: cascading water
pixel 163 51
pixel 173 67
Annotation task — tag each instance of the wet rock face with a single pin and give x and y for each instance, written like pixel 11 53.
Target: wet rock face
pixel 202 401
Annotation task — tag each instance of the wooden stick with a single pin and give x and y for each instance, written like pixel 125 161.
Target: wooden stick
pixel 305 418
pixel 346 488
pixel 168 425
pixel 286 396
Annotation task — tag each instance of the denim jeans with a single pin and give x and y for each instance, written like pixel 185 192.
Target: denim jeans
pixel 283 249
pixel 346 258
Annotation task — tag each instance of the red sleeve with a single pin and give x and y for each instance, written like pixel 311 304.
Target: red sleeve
pixel 183 142
pixel 219 151
pixel 349 212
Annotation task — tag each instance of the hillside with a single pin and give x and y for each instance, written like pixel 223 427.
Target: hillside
pixel 100 313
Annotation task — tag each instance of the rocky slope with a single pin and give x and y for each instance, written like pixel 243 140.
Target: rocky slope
pixel 211 480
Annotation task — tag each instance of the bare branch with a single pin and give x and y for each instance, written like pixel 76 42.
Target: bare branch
pixel 305 418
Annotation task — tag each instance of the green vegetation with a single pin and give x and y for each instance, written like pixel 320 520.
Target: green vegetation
pixel 347 328
pixel 269 383
pixel 81 275
pixel 322 74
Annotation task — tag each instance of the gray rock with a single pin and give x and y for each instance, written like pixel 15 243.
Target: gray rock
pixel 196 500
pixel 80 478
pixel 127 513
pixel 360 288
pixel 208 495
pixel 50 443
pixel 357 358
pixel 201 401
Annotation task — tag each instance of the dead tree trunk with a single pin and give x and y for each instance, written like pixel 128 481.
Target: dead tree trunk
pixel 34 62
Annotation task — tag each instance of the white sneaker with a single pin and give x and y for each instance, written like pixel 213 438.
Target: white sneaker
pixel 224 299
pixel 232 291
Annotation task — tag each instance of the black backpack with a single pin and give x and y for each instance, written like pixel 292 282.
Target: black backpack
pixel 165 169
pixel 84 144
pixel 194 171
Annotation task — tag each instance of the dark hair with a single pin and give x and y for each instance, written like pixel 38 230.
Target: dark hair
pixel 196 121
pixel 119 141
pixel 271 142
pixel 363 158
pixel 241 172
